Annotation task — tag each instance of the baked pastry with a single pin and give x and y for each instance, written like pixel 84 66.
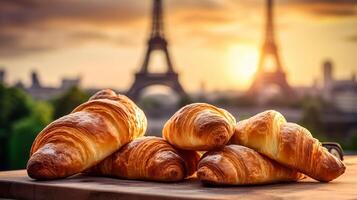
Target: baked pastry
pixel 289 144
pixel 83 138
pixel 148 158
pixel 199 126
pixel 239 165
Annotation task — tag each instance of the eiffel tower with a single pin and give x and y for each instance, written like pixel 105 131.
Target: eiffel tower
pixel 156 42
pixel 263 77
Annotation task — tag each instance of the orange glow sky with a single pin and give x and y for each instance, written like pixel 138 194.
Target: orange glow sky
pixel 212 41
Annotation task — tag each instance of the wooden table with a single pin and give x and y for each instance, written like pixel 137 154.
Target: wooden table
pixel 16 184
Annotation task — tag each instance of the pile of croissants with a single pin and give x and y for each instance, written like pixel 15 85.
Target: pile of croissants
pixel 105 137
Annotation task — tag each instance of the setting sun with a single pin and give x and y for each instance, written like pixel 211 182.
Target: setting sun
pixel 242 61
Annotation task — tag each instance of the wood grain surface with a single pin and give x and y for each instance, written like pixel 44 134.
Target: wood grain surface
pixel 16 184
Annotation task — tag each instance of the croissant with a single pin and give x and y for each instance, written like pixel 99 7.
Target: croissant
pixel 148 158
pixel 83 138
pixel 199 126
pixel 289 144
pixel 239 165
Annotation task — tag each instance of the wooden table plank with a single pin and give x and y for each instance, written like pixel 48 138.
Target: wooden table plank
pixel 16 184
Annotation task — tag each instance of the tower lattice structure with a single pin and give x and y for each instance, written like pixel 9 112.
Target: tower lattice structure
pixel 156 42
pixel 269 52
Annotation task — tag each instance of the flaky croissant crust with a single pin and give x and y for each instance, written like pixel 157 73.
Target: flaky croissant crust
pixel 148 158
pixel 289 144
pixel 199 126
pixel 238 165
pixel 83 138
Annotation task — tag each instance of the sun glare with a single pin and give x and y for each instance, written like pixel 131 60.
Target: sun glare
pixel 242 61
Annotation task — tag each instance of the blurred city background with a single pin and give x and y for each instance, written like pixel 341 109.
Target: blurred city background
pixel 296 56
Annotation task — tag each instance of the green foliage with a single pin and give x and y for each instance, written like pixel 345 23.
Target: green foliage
pixel 351 143
pixel 21 119
pixel 184 101
pixel 24 132
pixel 245 100
pixel 14 106
pixel 148 103
pixel 312 118
pixel 43 112
pixel 68 101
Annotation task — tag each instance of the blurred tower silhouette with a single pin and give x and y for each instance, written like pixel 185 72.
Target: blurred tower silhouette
pixel 342 93
pixel 328 79
pixel 269 58
pixel 2 76
pixel 35 81
pixel 157 41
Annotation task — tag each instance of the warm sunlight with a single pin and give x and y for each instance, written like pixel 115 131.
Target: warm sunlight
pixel 242 61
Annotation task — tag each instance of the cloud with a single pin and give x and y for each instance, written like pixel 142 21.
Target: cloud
pixel 60 23
pixel 31 26
pixel 216 40
pixel 325 2
pixel 14 43
pixel 352 38
pixel 199 4
pixel 104 12
pixel 323 8
pixel 92 12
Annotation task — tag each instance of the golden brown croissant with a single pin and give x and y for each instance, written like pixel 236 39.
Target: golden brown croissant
pixel 199 126
pixel 288 144
pixel 148 158
pixel 238 165
pixel 93 131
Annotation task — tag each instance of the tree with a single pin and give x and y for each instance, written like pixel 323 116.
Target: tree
pixel 24 133
pixel 68 101
pixel 14 106
pixel 312 118
pixel 184 100
pixel 352 140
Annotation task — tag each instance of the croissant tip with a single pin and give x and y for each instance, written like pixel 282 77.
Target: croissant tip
pixel 173 173
pixel 38 170
pixel 206 175
pixel 342 169
pixel 221 139
pixel 45 165
pixel 333 173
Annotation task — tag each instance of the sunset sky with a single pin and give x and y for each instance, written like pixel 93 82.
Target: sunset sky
pixel 212 41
